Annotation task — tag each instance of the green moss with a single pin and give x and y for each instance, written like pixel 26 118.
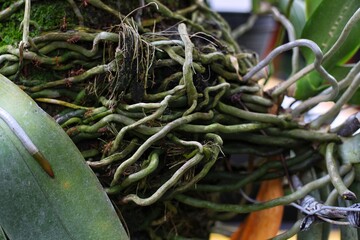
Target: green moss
pixel 48 15
pixel 10 33
pixel 52 15
pixel 4 4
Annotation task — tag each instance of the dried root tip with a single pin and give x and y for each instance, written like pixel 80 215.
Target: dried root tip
pixel 334 174
pixel 348 195
pixel 39 157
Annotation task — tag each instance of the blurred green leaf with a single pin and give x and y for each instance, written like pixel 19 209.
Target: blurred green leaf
pixel 311 6
pixel 324 27
pixel 72 205
pixel 349 151
pixel 256 5
pixel 355 100
pixel 312 84
pixel 309 86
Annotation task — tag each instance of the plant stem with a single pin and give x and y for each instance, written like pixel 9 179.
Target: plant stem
pixel 167 185
pixel 333 112
pixel 301 193
pixel 334 174
pixel 165 130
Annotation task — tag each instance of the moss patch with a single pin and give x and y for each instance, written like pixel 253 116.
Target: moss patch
pixel 10 32
pixel 44 16
pixel 52 15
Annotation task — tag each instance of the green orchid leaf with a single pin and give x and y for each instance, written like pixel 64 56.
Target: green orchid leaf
pixel 311 6
pixel 324 27
pixel 349 150
pixel 355 100
pixel 308 86
pixel 312 84
pixel 72 205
